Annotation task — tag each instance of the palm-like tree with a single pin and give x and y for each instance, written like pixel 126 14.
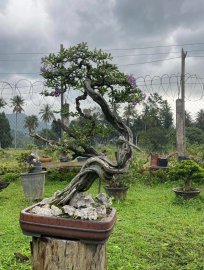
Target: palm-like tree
pixel 31 123
pixel 2 103
pixel 17 104
pixel 46 114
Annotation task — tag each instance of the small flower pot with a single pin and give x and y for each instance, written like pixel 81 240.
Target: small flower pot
pixel 88 231
pixel 154 159
pixel 186 194
pixel 33 184
pixel 118 193
pixel 162 162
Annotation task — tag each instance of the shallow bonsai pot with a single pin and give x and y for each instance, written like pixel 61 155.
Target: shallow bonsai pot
pixel 67 228
pixel 45 159
pixel 186 194
pixel 119 193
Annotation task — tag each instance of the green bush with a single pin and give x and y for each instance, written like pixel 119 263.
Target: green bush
pixel 187 168
pixel 7 168
pixel 62 174
pixel 10 177
pixel 188 171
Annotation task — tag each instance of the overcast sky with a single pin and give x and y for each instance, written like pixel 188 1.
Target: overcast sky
pixel 32 28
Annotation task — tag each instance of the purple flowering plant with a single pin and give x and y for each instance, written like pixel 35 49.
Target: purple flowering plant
pixel 76 64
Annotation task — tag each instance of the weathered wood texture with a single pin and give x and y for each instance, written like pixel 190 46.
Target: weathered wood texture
pixel 180 128
pixel 56 254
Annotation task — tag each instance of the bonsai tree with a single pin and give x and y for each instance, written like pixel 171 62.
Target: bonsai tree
pixel 91 74
pixel 188 171
pixel 28 162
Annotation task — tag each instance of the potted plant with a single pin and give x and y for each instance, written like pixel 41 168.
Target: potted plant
pixel 188 171
pixel 118 187
pixel 32 176
pixel 120 184
pixel 92 73
pixel 45 158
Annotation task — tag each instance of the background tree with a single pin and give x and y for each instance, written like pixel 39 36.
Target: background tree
pixel 188 120
pixel 165 115
pixel 151 111
pixel 91 72
pixel 194 135
pixel 31 123
pixel 56 129
pixel 46 115
pixel 5 132
pixel 2 103
pixel 17 104
pixel 154 126
pixel 129 113
pixel 200 119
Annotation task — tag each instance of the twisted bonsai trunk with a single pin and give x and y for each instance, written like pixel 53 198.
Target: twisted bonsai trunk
pixel 100 166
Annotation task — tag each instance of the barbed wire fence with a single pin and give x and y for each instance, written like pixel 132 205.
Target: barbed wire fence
pixel 167 86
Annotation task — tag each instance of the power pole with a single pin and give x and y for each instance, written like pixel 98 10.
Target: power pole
pixel 180 113
pixel 62 98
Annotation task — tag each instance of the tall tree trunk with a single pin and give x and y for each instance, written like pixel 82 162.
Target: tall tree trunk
pixel 15 130
pixel 46 134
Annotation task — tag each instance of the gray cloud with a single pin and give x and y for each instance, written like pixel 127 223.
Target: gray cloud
pixel 40 26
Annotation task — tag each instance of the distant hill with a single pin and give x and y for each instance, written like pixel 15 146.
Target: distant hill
pixel 21 121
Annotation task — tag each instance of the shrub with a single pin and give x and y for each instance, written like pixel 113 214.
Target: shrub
pixel 187 171
pixel 62 174
pixel 10 177
pixel 6 168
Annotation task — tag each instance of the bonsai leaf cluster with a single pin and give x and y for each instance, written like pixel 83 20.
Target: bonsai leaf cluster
pixel 26 162
pixel 188 171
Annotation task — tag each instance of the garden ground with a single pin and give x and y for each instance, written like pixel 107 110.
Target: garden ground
pixel 153 231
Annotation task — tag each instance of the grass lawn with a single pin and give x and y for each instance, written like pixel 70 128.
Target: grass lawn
pixel 153 231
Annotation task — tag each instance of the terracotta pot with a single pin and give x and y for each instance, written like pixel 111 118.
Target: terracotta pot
pixel 154 159
pixel 119 193
pixel 45 159
pixel 186 194
pixel 67 228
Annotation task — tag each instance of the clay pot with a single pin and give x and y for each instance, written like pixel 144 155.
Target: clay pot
pixel 118 193
pixel 45 159
pixel 186 194
pixel 88 231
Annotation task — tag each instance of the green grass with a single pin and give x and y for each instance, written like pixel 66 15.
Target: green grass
pixel 153 231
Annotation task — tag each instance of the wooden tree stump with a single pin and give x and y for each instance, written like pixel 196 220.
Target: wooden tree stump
pixel 57 254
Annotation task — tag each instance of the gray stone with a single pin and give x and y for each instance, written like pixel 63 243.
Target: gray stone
pixel 92 214
pixel 101 211
pixel 42 210
pixel 55 211
pixel 104 200
pixel 68 209
pixel 46 200
pixel 82 200
pixel 86 213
